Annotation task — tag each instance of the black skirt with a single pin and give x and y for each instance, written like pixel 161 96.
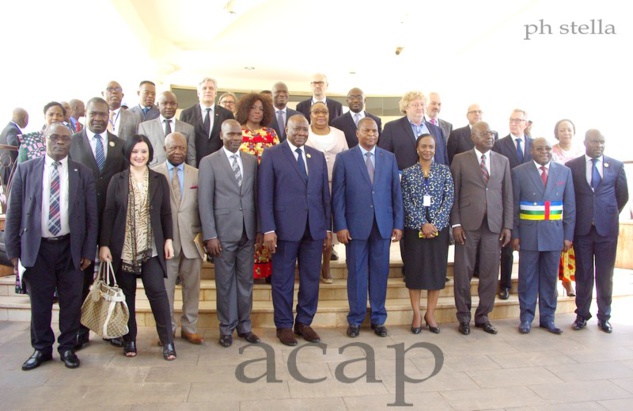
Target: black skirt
pixel 426 260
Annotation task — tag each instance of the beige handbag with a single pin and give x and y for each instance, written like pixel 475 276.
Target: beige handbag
pixel 105 311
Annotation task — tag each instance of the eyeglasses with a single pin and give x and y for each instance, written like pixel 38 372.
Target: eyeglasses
pixel 475 112
pixel 355 97
pixel 517 120
pixel 317 83
pixel 114 89
pixel 416 105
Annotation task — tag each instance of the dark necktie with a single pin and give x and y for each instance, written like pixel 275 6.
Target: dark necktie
pixel 167 127
pixel 236 170
pixel 207 122
pixel 301 164
pixel 595 174
pixel 54 216
pixel 370 167
pixel 543 175
pixel 281 123
pixel 99 153
pixel 519 150
pixel 484 170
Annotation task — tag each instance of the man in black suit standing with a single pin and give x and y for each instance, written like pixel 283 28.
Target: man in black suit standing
pixel 51 228
pixel 11 136
pixel 516 146
pixel 433 108
pixel 146 109
pixel 282 111
pixel 102 152
pixel 348 122
pixel 319 86
pixel 206 117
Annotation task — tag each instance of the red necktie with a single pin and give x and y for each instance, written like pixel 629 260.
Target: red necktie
pixel 543 175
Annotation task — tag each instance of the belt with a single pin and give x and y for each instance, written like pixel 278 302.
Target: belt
pixel 56 239
pixel 541 210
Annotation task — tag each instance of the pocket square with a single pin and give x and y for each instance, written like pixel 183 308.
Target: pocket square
pixel 193 188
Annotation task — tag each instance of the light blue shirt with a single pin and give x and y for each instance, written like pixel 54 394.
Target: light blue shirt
pixel 181 175
pixel 372 157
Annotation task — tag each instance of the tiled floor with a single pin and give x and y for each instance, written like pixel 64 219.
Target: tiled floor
pixel 585 370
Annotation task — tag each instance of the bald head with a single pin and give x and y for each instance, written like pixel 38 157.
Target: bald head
pixel 78 108
pixel 433 105
pixel 167 104
pixel 20 117
pixel 176 148
pixel 356 100
pixel 474 114
pixel 594 143
pixel 231 134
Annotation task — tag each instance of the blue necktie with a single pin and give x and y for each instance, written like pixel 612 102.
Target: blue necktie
pixel 99 154
pixel 595 175
pixel 301 164
pixel 145 110
pixel 519 150
pixel 54 216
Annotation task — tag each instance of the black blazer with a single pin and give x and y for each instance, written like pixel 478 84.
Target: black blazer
pixel 506 147
pixel 346 124
pixel 274 125
pixel 334 107
pixel 205 144
pixel 115 213
pixel 81 152
pixel 9 136
pixel 398 138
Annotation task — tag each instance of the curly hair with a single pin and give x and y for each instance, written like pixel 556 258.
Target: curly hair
pixel 246 102
pixel 408 98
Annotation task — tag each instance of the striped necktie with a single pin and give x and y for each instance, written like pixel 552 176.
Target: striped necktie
pixel 54 213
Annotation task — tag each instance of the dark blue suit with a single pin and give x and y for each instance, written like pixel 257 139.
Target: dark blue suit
pixel 52 265
pixel 346 124
pixel 298 211
pixel 505 146
pixel 370 213
pixel 398 138
pixel 541 240
pixel 596 234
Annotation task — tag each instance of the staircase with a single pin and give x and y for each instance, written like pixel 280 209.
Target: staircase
pixel 333 306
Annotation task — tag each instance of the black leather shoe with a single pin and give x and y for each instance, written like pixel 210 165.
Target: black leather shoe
pixel 353 331
pixel 70 359
pixel 487 327
pixel 605 326
pixel 525 327
pixel 464 328
pixel 226 340
pixel 504 294
pixel 117 342
pixel 169 352
pixel 82 340
pixel 579 324
pixel 551 327
pixel 249 337
pixel 379 329
pixel 35 360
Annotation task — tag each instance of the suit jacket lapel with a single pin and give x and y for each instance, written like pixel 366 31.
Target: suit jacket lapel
pixel 535 176
pixel 360 160
pixel 87 150
pixel 291 158
pixel 73 185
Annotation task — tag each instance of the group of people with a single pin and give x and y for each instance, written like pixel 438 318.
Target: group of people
pixel 262 188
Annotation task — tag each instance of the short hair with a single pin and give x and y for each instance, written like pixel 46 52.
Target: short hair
pixel 520 110
pixel 95 100
pixel 245 104
pixel 573 126
pixel 228 93
pixel 204 80
pixel 146 82
pixel 408 97
pixel 421 136
pixel 54 103
pixel 129 144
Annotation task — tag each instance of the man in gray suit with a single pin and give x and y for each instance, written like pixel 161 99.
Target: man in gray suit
pixel 187 261
pixel 227 197
pixel 122 123
pixel 165 124
pixel 482 222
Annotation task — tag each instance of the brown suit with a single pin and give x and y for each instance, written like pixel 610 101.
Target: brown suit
pixel 187 259
pixel 483 211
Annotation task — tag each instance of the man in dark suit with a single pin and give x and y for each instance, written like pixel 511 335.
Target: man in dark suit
pixel 544 217
pixel 319 86
pixel 399 136
pixel 294 207
pixel 78 110
pixel 102 152
pixel 516 146
pixel 481 218
pixel 460 139
pixel 122 123
pixel 433 108
pixel 146 109
pixel 227 197
pixel 601 194
pixel 368 214
pixel 282 111
pixel 347 122
pixel 206 117
pixel 11 136
pixel 51 229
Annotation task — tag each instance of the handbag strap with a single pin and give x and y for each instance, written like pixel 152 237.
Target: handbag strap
pixel 105 270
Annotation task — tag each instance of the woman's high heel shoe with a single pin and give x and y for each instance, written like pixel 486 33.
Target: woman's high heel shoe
pixel 434 330
pixel 129 349
pixel 569 289
pixel 416 330
pixel 169 352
